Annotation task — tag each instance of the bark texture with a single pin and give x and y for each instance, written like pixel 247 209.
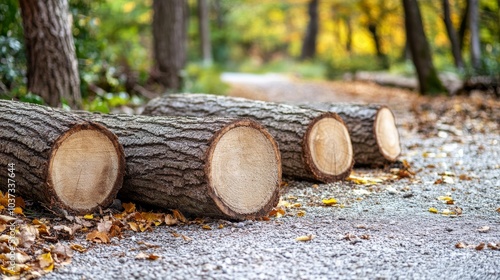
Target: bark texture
pixel 310 37
pixel 50 51
pixel 29 135
pixel 452 34
pixel 170 40
pixel 428 80
pixel 289 125
pixel 360 120
pixel 168 162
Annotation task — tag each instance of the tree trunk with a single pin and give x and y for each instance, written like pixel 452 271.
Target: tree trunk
pixel 421 54
pixel 58 158
pixel 348 43
pixel 50 52
pixel 223 168
pixel 309 45
pixel 170 41
pixel 313 144
pixel 475 46
pixel 452 34
pixel 378 47
pixel 204 29
pixel 374 135
pixel 464 23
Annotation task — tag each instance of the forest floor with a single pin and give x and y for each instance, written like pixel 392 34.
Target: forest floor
pixel 443 222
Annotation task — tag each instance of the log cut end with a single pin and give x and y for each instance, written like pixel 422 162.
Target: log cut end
pixel 244 170
pixel 387 134
pixel 86 168
pixel 329 150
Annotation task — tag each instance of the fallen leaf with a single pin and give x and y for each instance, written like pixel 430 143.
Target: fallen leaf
pixel 144 256
pixel 27 235
pixel 308 237
pixel 104 226
pixel 46 262
pixel 480 246
pixel 133 226
pixel 129 207
pixel 460 245
pixel 178 215
pixel 365 236
pixel 484 229
pixel 206 227
pixel 464 177
pixel 433 210
pixel 329 202
pixel 175 234
pixel 301 213
pixel 221 226
pixel 361 192
pixel 98 237
pixel 364 180
pixel 18 210
pixel 8 219
pixel 498 210
pixel 447 212
pixel 89 216
pixel 78 248
pixel 170 220
pixel 186 238
pixel 494 246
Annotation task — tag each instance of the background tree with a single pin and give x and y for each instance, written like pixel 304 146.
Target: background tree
pixel 475 46
pixel 170 41
pixel 52 68
pixel 204 29
pixel 452 35
pixel 429 82
pixel 309 45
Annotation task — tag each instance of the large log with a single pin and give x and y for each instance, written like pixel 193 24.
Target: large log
pixel 216 167
pixel 313 144
pixel 57 158
pixel 374 135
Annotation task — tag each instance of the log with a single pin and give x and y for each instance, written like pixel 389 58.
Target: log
pixel 374 135
pixel 214 167
pixel 58 159
pixel 314 145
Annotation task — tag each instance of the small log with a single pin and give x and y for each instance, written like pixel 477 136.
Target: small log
pixel 57 158
pixel 218 167
pixel 313 144
pixel 374 135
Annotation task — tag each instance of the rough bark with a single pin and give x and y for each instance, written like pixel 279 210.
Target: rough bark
pixel 382 57
pixel 170 163
pixel 35 140
pixel 309 44
pixel 291 126
pixel 374 135
pixel 429 82
pixel 204 30
pixel 452 35
pixel 170 41
pixel 475 46
pixel 52 66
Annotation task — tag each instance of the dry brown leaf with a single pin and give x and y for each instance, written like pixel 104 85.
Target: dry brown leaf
pixel 78 248
pixel 104 226
pixel 27 235
pixel 494 246
pixel 178 215
pixel 186 238
pixel 46 262
pixel 98 237
pixel 480 246
pixel 170 220
pixel 365 236
pixel 460 245
pixel 301 213
pixel 144 256
pixel 308 237
pixel 133 226
pixel 6 219
pixel 206 227
pixel 129 207
pixel 484 229
pixel 175 234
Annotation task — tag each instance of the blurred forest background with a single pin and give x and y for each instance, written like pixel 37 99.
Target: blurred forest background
pixel 308 39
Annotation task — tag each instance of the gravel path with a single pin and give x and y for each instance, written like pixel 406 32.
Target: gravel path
pixel 377 231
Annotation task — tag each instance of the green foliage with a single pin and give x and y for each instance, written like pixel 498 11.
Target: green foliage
pixel 199 79
pixel 351 64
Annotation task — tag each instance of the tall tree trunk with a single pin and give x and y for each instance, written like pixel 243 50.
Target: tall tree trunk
pixel 421 53
pixel 50 51
pixel 309 45
pixel 464 23
pixel 475 47
pixel 452 34
pixel 204 29
pixel 170 41
pixel 372 27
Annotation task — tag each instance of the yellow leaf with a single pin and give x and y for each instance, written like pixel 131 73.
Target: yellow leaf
pixel 308 237
pixel 301 213
pixel 129 207
pixel 133 226
pixel 18 210
pixel 364 180
pixel 46 262
pixel 78 248
pixel 329 201
pixel 89 217
pixel 221 226
pixel 206 227
pixel 178 215
pixel 433 210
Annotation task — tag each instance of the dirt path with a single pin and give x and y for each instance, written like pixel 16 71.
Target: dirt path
pixel 377 230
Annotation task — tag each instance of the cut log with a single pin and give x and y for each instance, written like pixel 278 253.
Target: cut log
pixel 374 135
pixel 217 167
pixel 314 145
pixel 57 158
